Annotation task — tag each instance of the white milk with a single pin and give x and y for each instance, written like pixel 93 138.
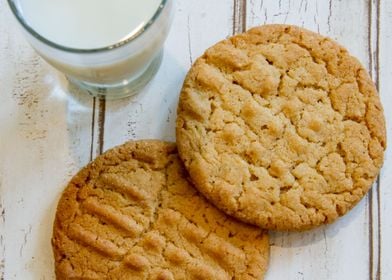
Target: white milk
pixel 94 24
pixel 87 24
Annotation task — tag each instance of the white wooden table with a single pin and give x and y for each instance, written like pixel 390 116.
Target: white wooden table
pixel 46 134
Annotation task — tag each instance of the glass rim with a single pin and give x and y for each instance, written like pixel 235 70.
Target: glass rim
pixel 131 37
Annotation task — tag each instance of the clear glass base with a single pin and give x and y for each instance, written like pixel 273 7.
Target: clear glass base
pixel 120 90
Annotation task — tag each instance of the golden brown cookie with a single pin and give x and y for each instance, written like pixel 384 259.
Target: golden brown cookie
pixel 131 214
pixel 281 127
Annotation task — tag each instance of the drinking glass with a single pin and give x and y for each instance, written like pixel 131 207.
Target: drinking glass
pixel 119 70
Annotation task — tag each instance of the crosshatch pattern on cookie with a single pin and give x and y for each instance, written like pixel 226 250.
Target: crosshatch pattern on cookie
pixel 131 214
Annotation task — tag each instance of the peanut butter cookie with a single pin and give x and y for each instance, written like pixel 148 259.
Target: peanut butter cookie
pixel 131 214
pixel 281 128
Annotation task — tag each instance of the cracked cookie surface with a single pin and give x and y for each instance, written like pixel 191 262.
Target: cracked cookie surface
pixel 281 128
pixel 132 214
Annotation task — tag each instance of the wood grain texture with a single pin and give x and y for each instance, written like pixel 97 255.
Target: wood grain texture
pixel 49 130
pixel 239 16
pixel 6 63
pixel 384 191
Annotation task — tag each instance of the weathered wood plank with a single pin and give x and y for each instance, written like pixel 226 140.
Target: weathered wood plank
pixel 384 192
pixel 3 82
pixel 45 139
pixel 151 114
pixel 341 250
pixel 374 199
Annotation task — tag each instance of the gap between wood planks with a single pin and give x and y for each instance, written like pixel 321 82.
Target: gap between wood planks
pixel 101 125
pixel 374 194
pixel 98 119
pixel 239 16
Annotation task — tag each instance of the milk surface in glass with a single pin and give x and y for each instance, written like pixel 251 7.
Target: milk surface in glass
pixel 87 24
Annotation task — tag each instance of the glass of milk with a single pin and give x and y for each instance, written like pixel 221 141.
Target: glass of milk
pixel 109 48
